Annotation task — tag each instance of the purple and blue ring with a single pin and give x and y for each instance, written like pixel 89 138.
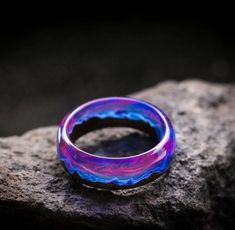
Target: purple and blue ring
pixel 116 172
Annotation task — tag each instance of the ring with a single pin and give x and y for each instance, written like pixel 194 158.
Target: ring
pixel 116 172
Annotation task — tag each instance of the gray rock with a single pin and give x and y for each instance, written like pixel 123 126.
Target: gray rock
pixel 198 192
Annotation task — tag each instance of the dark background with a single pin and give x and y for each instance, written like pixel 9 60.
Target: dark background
pixel 48 66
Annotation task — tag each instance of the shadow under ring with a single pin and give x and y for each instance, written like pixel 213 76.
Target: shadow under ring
pixel 116 172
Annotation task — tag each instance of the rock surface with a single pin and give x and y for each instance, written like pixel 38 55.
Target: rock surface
pixel 198 192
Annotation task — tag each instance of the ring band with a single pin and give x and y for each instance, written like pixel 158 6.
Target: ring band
pixel 116 172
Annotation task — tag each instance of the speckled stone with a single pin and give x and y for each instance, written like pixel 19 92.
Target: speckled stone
pixel 197 193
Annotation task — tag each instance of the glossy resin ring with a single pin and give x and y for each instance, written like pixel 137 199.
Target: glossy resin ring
pixel 116 172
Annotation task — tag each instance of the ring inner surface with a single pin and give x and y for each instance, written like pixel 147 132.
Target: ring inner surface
pixel 117 113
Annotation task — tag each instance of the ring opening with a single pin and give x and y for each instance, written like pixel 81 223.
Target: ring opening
pixel 134 137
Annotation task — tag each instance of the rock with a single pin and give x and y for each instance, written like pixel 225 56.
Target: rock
pixel 198 192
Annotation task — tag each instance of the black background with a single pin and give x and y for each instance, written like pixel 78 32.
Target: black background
pixel 49 65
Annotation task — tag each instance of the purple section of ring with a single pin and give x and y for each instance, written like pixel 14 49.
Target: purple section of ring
pixel 122 171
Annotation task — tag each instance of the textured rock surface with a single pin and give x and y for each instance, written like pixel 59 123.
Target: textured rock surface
pixel 197 193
